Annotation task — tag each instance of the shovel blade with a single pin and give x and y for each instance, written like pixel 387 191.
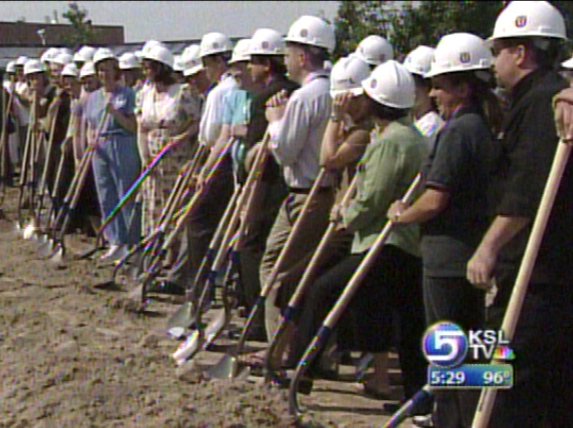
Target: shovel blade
pixel 46 249
pixel 29 231
pixel 58 254
pixel 229 367
pixel 189 348
pixel 215 327
pixel 182 319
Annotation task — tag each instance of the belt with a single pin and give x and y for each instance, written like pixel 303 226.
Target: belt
pixel 299 191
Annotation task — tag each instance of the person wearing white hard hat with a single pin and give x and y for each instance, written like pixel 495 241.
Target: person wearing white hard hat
pixel 527 41
pixel 296 127
pixel 453 207
pixel 374 50
pixel 88 77
pixel 390 163
pixel 426 117
pixel 167 114
pixel 12 124
pixel 116 164
pixel 131 71
pixel 194 72
pixel 83 55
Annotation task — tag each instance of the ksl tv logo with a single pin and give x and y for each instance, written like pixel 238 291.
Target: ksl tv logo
pixel 445 344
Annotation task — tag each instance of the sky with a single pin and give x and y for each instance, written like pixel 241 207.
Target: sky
pixel 176 20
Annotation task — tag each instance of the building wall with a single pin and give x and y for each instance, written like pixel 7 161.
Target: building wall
pixel 26 34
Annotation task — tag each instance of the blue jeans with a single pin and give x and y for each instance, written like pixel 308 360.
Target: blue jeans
pixel 116 166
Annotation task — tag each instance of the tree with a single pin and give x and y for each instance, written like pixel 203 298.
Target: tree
pixel 82 32
pixel 412 24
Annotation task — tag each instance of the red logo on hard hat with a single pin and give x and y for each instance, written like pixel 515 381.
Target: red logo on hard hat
pixel 304 32
pixel 465 57
pixel 521 21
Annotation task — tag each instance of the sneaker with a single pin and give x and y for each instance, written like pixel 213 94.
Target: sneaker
pixel 115 252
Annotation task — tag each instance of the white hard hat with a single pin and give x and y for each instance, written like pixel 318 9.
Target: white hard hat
pixel 241 51
pixel 529 19
pixel 178 64
pixel 11 67
pixel 21 61
pixel 49 54
pixel 191 60
pixel 67 51
pixel 392 85
pixel 70 70
pixel 102 54
pixel 160 54
pixel 214 43
pixel 139 54
pixel 84 54
pixel 347 76
pixel 460 52
pixel 313 31
pixel 266 41
pixel 151 43
pixel 419 60
pixel 375 50
pixel 33 66
pixel 88 69
pixel 63 58
pixel 128 61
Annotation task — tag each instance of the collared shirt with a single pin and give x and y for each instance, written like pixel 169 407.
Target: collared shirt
pixel 529 143
pixel 461 164
pixel 212 117
pixel 389 165
pixel 297 137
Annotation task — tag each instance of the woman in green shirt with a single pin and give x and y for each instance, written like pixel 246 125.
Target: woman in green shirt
pixel 389 165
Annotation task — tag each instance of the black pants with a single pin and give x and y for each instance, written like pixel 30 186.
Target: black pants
pixel 542 395
pixel 392 288
pixel 454 299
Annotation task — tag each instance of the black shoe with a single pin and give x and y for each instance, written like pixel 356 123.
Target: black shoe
pixel 166 287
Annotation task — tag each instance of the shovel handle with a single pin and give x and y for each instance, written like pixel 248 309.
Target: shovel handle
pixel 513 311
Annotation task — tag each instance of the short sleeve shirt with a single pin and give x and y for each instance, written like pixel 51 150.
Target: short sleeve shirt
pixel 460 164
pixel 122 99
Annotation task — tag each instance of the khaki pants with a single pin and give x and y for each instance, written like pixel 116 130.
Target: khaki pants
pixel 311 230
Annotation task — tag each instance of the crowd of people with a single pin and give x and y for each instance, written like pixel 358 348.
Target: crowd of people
pixel 478 120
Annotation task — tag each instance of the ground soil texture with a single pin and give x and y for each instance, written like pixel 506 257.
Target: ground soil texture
pixel 71 355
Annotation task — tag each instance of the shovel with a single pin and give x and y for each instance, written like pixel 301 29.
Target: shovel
pixel 183 318
pixel 229 366
pixel 25 169
pixel 127 197
pixel 4 144
pixel 513 311
pixel 284 330
pixel 342 303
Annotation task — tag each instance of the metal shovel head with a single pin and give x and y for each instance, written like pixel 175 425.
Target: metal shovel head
pixel 215 327
pixel 188 348
pixel 58 254
pixel 46 249
pixel 181 320
pixel 29 230
pixel 229 367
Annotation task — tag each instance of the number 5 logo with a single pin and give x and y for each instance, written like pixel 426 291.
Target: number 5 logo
pixel 445 344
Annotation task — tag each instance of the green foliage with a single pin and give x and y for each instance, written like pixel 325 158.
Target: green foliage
pixel 82 32
pixel 423 22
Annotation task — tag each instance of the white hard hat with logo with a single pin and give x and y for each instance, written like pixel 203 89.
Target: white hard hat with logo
pixel 347 76
pixel 11 67
pixel 88 69
pixel 529 19
pixel 149 44
pixel 392 85
pixel 460 52
pixel 49 54
pixel 241 51
pixel 214 43
pixel 33 66
pixel 267 41
pixel 70 70
pixel 66 51
pixel 85 54
pixel 102 54
pixel 191 60
pixel 419 60
pixel 312 31
pixel 178 64
pixel 159 53
pixel 375 50
pixel 128 61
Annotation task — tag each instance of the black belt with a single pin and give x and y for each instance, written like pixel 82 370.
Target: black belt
pixel 299 191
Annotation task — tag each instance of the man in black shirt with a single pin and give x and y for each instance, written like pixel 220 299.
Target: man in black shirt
pixel 526 42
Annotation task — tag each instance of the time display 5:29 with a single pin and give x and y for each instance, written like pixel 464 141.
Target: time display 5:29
pixel 469 376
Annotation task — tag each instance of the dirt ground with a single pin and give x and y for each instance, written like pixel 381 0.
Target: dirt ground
pixel 72 356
